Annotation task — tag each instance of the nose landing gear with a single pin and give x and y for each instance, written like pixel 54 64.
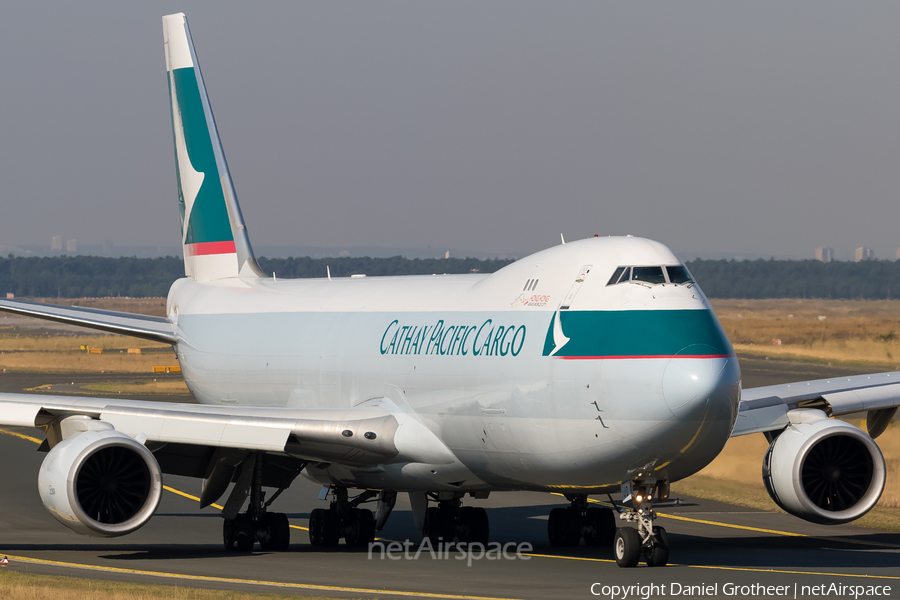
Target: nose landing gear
pixel 649 541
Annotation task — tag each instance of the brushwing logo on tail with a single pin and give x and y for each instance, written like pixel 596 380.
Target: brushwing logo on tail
pixel 206 228
pixel 189 179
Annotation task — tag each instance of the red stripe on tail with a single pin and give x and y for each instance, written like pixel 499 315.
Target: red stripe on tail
pixel 204 248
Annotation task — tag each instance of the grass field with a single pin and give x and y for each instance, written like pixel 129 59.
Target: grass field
pixel 170 388
pixel 51 353
pixel 50 350
pixel 26 586
pixel 848 331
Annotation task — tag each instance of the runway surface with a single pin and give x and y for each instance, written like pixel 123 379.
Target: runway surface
pixel 712 543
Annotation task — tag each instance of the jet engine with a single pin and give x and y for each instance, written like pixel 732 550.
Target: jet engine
pixel 100 483
pixel 823 470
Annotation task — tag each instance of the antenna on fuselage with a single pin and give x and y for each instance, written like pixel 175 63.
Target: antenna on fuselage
pixel 328 270
pixel 562 238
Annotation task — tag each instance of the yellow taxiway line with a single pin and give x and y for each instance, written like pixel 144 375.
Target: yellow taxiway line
pixel 281 584
pixel 20 435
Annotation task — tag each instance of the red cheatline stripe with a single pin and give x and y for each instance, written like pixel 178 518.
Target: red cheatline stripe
pixel 203 248
pixel 647 356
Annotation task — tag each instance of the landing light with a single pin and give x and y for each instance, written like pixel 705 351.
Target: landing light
pixel 639 498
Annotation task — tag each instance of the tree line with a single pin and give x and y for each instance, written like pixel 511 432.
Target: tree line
pixel 94 276
pixel 97 276
pixel 868 279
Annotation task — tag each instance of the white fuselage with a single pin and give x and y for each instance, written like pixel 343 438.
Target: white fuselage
pixel 539 376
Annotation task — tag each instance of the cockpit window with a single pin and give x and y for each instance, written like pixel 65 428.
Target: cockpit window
pixel 679 274
pixel 616 276
pixel 648 274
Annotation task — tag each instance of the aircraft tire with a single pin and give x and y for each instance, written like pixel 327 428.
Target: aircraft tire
pixel 556 528
pixel 474 525
pixel 279 533
pixel 228 535
pixel 627 547
pixel 439 526
pixel 573 526
pixel 324 528
pixel 599 527
pixel 315 527
pixel 659 555
pixel 331 528
pixel 363 528
pixel 244 533
pixel 564 527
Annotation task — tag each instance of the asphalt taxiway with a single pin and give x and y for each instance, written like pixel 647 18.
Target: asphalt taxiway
pixel 713 544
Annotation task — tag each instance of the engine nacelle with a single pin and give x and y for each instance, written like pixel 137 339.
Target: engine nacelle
pixel 100 483
pixel 823 470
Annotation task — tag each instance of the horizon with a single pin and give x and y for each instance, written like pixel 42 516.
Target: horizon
pixel 108 250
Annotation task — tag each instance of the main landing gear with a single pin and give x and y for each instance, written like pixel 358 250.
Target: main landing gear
pixel 647 541
pixel 450 520
pixel 344 520
pixel 270 529
pixel 567 526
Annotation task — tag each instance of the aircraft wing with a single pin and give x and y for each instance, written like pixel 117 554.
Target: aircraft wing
pixel 765 408
pixel 361 435
pixel 158 329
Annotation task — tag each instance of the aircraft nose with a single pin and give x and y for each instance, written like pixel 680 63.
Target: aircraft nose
pixel 696 380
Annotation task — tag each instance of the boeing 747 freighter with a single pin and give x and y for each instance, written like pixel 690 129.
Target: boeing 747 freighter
pixel 593 367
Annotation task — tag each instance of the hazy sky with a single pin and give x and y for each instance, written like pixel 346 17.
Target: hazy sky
pixel 755 127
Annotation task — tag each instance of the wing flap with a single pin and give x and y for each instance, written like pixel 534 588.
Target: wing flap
pixel 201 428
pixel 872 398
pixel 765 408
pixel 19 415
pixel 158 329
pixel 361 435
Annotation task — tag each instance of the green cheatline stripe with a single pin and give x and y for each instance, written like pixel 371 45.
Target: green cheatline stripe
pixel 209 217
pixel 639 334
